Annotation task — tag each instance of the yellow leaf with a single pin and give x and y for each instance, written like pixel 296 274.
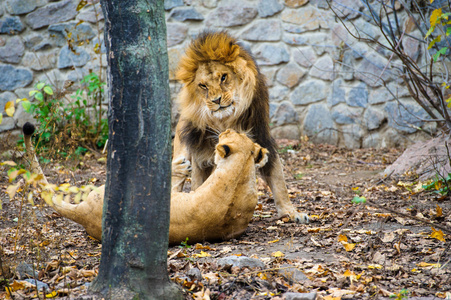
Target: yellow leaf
pixel 272 242
pixel 342 238
pixel 73 189
pixel 348 246
pixel 12 190
pixel 202 254
pixel 262 276
pixel 277 254
pixel 9 163
pixel 47 196
pixel 44 243
pixel 425 265
pixel 9 108
pixel 439 211
pixel 437 234
pixel 434 16
pixel 348 273
pixel 1 118
pixel 374 266
pixel 18 285
pixel 432 1
pixel 51 295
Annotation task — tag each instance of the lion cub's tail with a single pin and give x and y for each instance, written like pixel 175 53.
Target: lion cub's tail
pixel 63 208
pixel 28 130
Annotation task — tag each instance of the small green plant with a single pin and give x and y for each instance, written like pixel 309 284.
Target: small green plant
pixel 285 149
pixel 403 294
pixel 184 244
pixel 439 185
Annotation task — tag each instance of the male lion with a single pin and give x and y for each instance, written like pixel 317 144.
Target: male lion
pixel 219 209
pixel 223 88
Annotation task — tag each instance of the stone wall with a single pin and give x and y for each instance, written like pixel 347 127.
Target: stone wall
pixel 323 83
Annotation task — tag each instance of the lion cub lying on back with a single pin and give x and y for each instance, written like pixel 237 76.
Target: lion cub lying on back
pixel 219 209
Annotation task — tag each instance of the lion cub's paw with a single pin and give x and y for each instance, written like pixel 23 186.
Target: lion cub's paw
pixel 301 218
pixel 181 166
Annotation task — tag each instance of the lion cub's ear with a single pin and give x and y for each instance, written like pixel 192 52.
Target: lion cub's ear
pixel 223 150
pixel 260 156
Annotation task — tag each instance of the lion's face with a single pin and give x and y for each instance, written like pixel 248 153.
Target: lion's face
pixel 215 85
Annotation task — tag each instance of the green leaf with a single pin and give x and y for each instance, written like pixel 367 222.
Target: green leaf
pixel 436 40
pixel 48 90
pixel 27 106
pixel 39 96
pixel 40 85
pixel 31 93
pixel 431 30
pixel 358 200
pixel 448 31
pixel 439 52
pixel 1 118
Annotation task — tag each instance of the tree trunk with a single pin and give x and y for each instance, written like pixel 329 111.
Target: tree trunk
pixel 137 194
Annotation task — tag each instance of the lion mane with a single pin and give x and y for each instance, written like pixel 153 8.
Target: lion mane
pixel 251 115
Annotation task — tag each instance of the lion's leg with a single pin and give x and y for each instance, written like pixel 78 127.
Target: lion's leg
pixel 199 175
pixel 177 181
pixel 276 182
pixel 181 168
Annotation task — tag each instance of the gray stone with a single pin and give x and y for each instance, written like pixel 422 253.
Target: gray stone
pixel 294 39
pixel 292 274
pixel 37 42
pixel 278 93
pixel 296 3
pixel 174 55
pixel 54 77
pixel 323 68
pixel 71 30
pixel 13 50
pixel 319 42
pixel 380 95
pixel 308 18
pixel 373 70
pixel 210 3
pixel 267 8
pixel 40 61
pixel 299 296
pixel 406 117
pixel 185 14
pixel 320 3
pixel 21 116
pixel 176 33
pixel 373 118
pixel 318 125
pixel 11 25
pixel 338 94
pixel 269 73
pixel 290 74
pixel 352 136
pixel 19 7
pixel 39 284
pixel 340 36
pixel 358 96
pixel 240 262
pixel 270 54
pixel 170 4
pixel 272 109
pixel 412 47
pixel 232 14
pixel 263 30
pixel 8 123
pixel 343 114
pixel 68 58
pixel 52 13
pixel 194 274
pixel 5 97
pixel 349 9
pixel 95 41
pixel 285 114
pixel 309 92
pixel 347 66
pixel 12 78
pixel 359 50
pixel 367 30
pixel 304 56
pixel 25 270
pixel 291 132
pixel 372 140
pixel 91 13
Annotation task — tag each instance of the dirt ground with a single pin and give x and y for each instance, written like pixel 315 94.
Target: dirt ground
pixel 392 246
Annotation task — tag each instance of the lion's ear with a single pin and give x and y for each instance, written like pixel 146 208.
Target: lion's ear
pixel 260 156
pixel 223 150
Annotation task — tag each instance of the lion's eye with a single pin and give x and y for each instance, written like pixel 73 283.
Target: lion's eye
pixel 202 86
pixel 223 78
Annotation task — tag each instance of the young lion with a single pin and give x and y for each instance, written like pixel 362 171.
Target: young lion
pixel 219 209
pixel 223 88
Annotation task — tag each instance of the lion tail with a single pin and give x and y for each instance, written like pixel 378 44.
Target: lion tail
pixel 28 130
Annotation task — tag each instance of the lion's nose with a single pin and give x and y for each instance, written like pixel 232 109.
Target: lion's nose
pixel 217 100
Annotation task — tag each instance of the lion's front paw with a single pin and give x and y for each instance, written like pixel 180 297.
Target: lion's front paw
pixel 301 218
pixel 181 167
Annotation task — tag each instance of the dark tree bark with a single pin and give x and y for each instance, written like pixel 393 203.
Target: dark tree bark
pixel 137 194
